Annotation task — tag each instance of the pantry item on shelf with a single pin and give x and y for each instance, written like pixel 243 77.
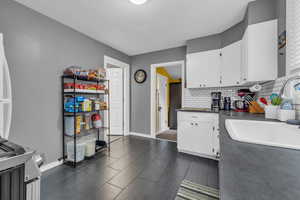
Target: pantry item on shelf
pixel 86 105
pixel 71 106
pixel 92 74
pixel 80 151
pixel 95 104
pixel 87 122
pixel 83 74
pixel 69 125
pixel 72 71
pixel 96 119
pixel 90 147
pixel 78 124
pixel 103 105
pixel 101 73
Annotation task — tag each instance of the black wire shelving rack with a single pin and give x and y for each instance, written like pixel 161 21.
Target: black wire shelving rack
pixel 101 145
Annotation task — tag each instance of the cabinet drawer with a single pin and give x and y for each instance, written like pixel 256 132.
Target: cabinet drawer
pixel 196 116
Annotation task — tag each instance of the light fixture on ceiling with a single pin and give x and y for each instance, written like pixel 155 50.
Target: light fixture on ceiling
pixel 138 2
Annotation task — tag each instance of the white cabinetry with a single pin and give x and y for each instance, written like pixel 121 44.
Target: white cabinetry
pixel 231 64
pixel 259 52
pixel 203 69
pixel 198 134
pixel 253 59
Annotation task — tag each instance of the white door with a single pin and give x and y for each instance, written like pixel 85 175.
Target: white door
pixel 116 89
pixel 231 64
pixel 203 69
pixel 162 107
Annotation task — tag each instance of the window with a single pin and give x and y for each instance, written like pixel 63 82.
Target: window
pixel 293 36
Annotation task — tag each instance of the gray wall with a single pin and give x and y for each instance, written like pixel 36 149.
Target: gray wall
pixel 257 11
pixel 38 49
pixel 140 93
pixel 281 15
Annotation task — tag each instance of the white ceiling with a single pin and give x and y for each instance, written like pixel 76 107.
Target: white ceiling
pixel 174 71
pixel 135 29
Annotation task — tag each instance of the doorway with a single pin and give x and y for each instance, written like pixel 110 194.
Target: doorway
pixel 166 97
pixel 118 75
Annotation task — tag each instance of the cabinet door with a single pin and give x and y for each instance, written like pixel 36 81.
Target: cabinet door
pixel 262 51
pixel 215 141
pixel 195 136
pixel 203 69
pixel 231 65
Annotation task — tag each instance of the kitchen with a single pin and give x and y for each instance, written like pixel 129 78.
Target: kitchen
pixel 239 95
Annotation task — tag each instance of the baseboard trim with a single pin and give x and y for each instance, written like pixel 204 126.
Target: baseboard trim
pixel 141 135
pixel 51 165
pixel 197 154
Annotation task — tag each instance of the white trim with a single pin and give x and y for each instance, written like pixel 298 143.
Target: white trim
pixel 142 135
pixel 126 67
pixel 153 89
pixel 51 165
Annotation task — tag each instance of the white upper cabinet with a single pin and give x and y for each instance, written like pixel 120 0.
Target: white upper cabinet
pixel 203 69
pixel 231 65
pixel 259 53
pixel 253 59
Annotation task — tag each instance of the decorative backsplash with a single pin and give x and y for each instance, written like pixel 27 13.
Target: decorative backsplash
pixel 201 98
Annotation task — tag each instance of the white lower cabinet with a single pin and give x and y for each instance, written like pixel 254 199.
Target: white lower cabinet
pixel 198 134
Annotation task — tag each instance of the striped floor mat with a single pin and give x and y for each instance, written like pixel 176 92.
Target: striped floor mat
pixel 192 191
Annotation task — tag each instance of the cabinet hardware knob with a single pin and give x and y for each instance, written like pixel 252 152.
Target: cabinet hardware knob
pixel 237 82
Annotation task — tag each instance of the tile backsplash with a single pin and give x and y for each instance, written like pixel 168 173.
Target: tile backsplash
pixel 201 98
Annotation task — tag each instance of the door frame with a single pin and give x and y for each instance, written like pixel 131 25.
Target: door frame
pixel 126 89
pixel 159 128
pixel 153 90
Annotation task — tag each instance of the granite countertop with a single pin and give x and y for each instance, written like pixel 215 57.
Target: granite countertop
pixel 256 172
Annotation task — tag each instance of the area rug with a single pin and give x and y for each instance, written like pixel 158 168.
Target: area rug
pixel 192 191
pixel 168 135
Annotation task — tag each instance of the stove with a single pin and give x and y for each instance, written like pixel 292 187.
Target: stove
pixel 13 161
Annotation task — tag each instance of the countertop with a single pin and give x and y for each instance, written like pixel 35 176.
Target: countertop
pixel 205 110
pixel 256 172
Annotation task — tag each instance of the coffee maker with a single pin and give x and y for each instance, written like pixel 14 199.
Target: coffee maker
pixel 216 101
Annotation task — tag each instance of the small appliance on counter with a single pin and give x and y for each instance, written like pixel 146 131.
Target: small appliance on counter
pixel 242 105
pixel 216 101
pixel 227 103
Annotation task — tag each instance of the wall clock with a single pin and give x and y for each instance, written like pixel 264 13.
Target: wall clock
pixel 140 76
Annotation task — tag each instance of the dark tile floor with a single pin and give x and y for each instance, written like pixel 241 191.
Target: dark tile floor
pixel 135 169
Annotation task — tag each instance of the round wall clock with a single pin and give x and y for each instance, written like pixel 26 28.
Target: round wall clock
pixel 140 76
